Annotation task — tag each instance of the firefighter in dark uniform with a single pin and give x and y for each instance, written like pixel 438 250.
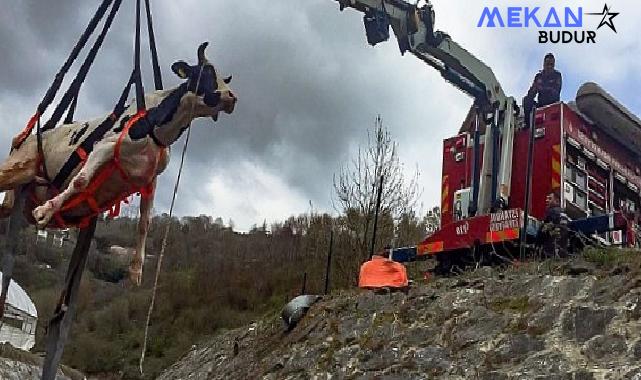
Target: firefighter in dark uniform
pixel 553 236
pixel 546 84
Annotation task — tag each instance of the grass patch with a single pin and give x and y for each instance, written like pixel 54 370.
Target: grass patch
pixel 517 305
pixel 607 258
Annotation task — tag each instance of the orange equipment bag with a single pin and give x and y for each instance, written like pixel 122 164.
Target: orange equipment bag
pixel 381 272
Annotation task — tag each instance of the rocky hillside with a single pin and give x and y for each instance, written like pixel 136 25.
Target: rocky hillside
pixel 20 365
pixel 551 320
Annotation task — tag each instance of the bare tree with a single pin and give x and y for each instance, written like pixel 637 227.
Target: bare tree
pixel 357 183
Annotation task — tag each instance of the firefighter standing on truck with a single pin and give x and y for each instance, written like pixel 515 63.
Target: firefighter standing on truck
pixel 546 84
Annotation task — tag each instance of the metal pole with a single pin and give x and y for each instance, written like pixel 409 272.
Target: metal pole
pixel 302 291
pixel 476 168
pixel 496 161
pixel 60 323
pixel 16 222
pixel 329 260
pixel 378 206
pixel 528 184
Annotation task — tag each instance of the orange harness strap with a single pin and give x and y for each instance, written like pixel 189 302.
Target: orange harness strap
pixel 88 194
pixel 22 136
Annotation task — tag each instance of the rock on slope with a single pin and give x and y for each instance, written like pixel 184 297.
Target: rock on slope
pixel 21 365
pixel 536 321
pixel 17 370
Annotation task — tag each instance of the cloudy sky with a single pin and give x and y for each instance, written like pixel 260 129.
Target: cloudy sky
pixel 308 84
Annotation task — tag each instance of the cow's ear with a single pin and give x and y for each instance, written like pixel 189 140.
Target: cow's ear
pixel 181 69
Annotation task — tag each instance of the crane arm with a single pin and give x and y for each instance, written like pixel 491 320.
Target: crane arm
pixel 414 29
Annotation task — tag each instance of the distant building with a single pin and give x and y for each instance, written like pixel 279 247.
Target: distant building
pixel 20 317
pixel 56 238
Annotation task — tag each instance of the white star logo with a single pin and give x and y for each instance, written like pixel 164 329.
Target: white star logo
pixel 607 17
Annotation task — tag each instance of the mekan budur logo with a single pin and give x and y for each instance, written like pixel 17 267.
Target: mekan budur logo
pixel 560 24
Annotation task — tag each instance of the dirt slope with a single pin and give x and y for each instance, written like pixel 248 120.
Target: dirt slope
pixel 552 320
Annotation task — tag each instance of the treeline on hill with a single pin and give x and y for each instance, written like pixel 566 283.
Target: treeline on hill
pixel 212 278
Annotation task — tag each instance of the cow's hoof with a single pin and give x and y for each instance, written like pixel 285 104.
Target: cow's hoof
pixel 42 215
pixel 135 276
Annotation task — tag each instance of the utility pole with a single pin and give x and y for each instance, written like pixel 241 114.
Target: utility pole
pixel 528 184
pixel 378 206
pixel 329 260
pixel 303 290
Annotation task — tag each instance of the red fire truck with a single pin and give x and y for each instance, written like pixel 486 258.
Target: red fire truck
pixel 590 162
pixel 585 152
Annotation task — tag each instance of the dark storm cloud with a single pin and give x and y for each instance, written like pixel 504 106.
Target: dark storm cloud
pixel 302 87
pixel 33 36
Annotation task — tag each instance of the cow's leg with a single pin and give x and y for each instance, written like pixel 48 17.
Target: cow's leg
pixel 100 156
pixel 138 259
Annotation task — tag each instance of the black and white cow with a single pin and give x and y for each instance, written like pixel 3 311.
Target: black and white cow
pixel 143 150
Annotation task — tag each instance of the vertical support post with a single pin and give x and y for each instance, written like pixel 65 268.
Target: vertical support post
pixel 563 161
pixel 302 291
pixel 496 162
pixel 16 222
pixel 60 323
pixel 378 206
pixel 611 200
pixel 329 260
pixel 476 168
pixel 528 183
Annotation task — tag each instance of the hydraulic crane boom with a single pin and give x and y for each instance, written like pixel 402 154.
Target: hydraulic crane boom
pixel 413 27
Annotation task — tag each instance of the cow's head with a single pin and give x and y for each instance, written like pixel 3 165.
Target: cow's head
pixel 211 89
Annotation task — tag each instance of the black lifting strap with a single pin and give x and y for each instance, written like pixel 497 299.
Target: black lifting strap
pixel 57 82
pixel 82 73
pixel 96 135
pixel 72 110
pixel 55 86
pixel 152 47
pixel 140 90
